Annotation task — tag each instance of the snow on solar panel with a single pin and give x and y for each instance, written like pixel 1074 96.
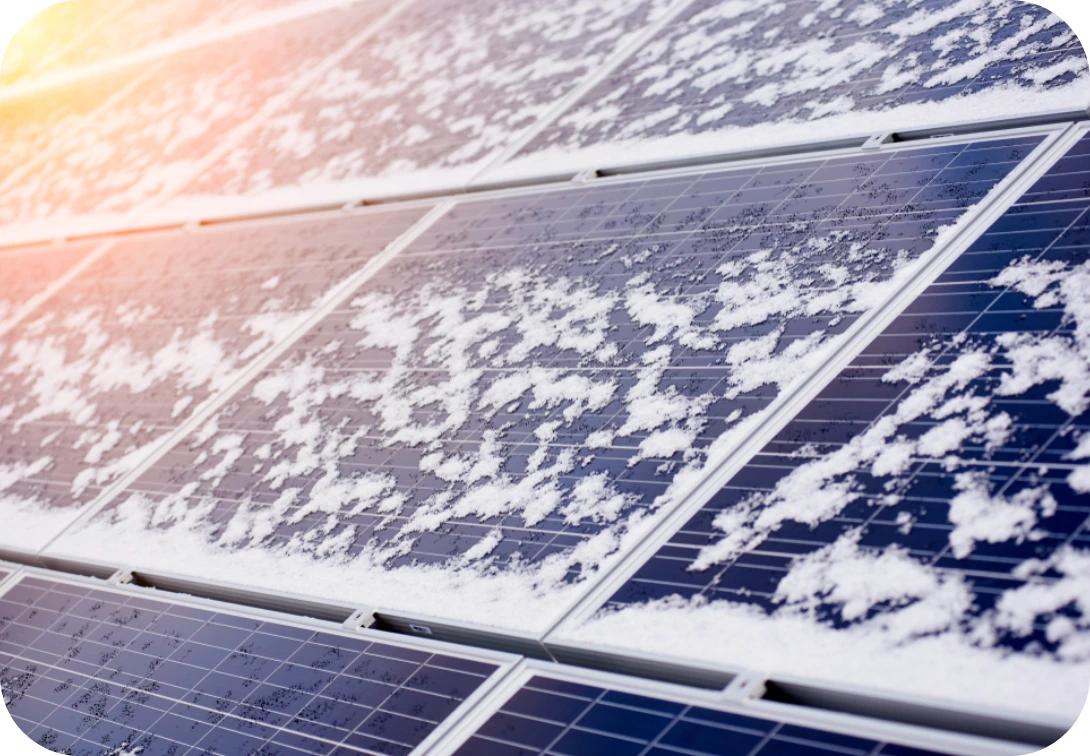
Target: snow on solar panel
pixel 26 272
pixel 87 671
pixel 28 128
pixel 922 521
pixel 136 343
pixel 553 715
pixel 728 76
pixel 502 408
pixel 429 99
pixel 154 136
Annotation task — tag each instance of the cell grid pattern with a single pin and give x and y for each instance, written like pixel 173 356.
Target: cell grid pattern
pixel 727 67
pixel 562 718
pixel 395 460
pixel 1018 450
pixel 132 346
pixel 92 672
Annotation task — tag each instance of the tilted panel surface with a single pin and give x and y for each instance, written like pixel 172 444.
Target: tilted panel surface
pixel 185 106
pixel 29 128
pixel 430 98
pixel 564 718
pixel 133 346
pixel 26 272
pixel 499 412
pixel 728 76
pixel 923 520
pixel 88 671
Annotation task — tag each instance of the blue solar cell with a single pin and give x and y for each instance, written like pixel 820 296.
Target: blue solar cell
pixel 953 446
pixel 132 346
pixel 598 721
pixel 154 677
pixel 539 371
pixel 770 70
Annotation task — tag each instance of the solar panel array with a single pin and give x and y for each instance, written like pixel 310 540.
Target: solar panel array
pixel 527 382
pixel 87 671
pixel 586 418
pixel 551 715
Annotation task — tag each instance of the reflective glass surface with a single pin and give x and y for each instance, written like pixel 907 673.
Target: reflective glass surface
pixel 90 672
pixel 561 718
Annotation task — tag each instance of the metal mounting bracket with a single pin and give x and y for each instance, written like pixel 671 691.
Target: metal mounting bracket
pixel 876 141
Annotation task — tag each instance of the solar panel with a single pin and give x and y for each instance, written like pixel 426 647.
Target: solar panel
pixel 133 346
pixel 431 97
pixel 732 76
pixel 26 272
pixel 931 499
pixel 173 113
pixel 499 411
pixel 553 714
pixel 87 670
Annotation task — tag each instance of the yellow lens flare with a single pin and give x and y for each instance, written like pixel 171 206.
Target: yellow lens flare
pixel 14 14
pixel 37 37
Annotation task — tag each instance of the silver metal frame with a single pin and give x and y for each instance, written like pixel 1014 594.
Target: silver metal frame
pixel 846 724
pixel 504 662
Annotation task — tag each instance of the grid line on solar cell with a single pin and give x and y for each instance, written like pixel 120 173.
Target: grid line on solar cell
pixel 560 718
pixel 871 213
pixel 162 674
pixel 1004 293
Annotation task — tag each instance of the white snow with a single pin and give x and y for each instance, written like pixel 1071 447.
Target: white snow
pixel 924 640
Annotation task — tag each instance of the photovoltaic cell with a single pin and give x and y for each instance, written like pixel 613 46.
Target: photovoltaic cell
pixel 433 95
pixel 508 399
pixel 728 76
pixel 89 672
pixel 167 115
pixel 563 718
pixel 131 347
pixel 26 272
pixel 947 463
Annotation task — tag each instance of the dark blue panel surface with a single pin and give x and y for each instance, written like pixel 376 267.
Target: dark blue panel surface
pixel 91 672
pixel 549 716
pixel 954 446
pixel 767 71
pixel 538 370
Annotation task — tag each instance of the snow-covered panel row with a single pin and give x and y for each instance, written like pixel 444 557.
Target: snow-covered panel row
pixel 728 75
pixel 88 671
pixel 430 99
pixel 553 713
pixel 133 345
pixel 921 525
pixel 511 402
pixel 144 130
